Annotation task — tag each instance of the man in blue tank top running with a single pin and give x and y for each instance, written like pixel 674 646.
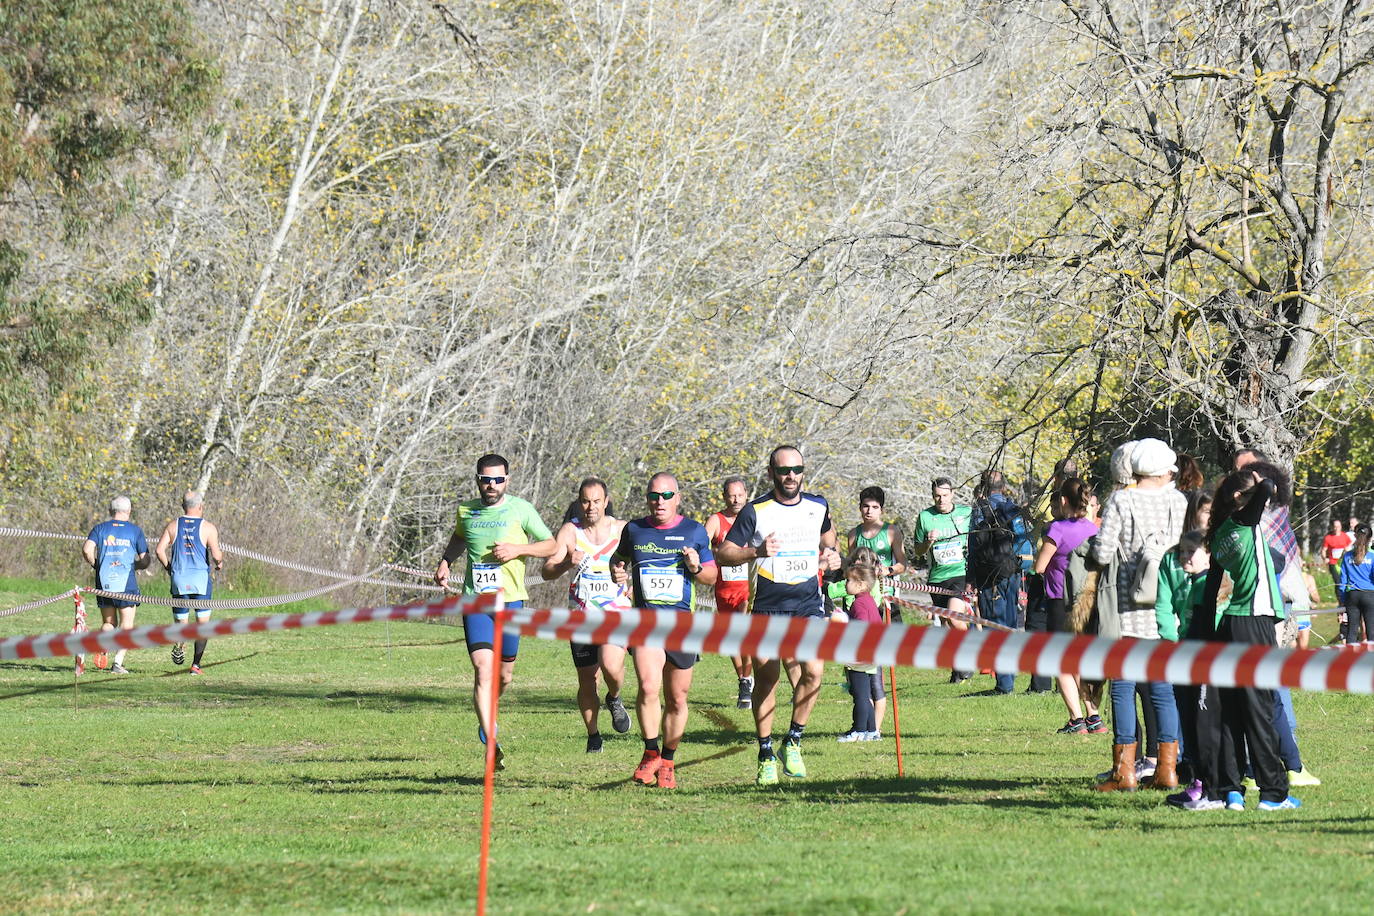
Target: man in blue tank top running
pixel 115 549
pixel 188 547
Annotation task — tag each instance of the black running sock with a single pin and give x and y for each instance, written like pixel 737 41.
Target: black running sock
pixel 650 744
pixel 794 733
pixel 200 651
pixel 766 748
pixel 668 753
pixel 594 741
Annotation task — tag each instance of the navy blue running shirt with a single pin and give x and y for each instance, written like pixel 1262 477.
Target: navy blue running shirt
pixel 788 583
pixel 658 572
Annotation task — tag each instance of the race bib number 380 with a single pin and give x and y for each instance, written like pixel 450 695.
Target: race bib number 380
pixel 791 567
pixel 486 577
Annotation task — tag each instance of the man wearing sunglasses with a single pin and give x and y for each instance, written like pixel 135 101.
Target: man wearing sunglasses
pixel 496 532
pixel 787 538
pixel 668 556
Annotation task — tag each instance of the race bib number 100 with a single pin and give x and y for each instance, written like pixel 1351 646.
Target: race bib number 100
pixel 486 577
pixel 592 587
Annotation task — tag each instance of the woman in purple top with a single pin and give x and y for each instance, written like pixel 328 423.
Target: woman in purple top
pixel 1071 527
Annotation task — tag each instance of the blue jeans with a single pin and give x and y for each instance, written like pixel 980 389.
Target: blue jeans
pixel 1287 727
pixel 1001 603
pixel 1123 711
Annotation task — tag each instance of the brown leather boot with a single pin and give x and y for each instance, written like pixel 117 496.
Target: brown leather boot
pixel 1123 770
pixel 1166 770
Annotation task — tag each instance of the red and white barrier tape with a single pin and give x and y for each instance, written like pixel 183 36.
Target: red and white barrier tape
pixel 1219 664
pixel 61 644
pixel 216 604
pixel 911 585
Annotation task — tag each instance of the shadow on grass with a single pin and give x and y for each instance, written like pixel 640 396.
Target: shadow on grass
pixel 367 646
pixel 391 783
pixel 97 682
pixel 1283 821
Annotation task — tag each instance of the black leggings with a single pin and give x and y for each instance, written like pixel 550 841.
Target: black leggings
pixel 1359 605
pixel 865 688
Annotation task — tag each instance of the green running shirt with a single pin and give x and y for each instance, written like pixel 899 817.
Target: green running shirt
pixel 1243 553
pixel 949 553
pixel 511 521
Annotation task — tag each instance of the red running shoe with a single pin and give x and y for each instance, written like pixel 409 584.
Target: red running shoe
pixel 667 779
pixel 646 774
pixel 195 669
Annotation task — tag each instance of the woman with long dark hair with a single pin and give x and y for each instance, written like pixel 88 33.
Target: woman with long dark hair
pixel 1357 583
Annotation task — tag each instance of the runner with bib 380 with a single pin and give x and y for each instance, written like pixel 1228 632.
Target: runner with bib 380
pixel 496 532
pixel 787 538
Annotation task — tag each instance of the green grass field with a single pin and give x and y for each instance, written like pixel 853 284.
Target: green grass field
pixel 337 769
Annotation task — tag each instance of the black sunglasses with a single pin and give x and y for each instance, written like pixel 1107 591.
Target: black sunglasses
pixel 784 469
pixel 483 478
pixel 665 495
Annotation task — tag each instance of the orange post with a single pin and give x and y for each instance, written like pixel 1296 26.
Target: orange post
pixel 489 782
pixel 892 680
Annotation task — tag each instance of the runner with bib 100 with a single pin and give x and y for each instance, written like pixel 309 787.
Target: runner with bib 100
pixel 787 538
pixel 585 546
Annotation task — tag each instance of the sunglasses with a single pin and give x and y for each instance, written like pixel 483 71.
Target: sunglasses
pixel 664 496
pixel 483 478
pixel 782 470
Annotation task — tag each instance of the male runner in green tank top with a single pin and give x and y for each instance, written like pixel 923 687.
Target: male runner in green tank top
pixel 883 539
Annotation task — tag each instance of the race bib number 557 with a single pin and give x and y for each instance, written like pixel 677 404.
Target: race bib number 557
pixel 661 585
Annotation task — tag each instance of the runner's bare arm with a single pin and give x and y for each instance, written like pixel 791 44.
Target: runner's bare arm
pixel 164 556
pixel 830 555
pixel 212 544
pixel 507 552
pixel 560 561
pixel 88 552
pixel 920 545
pixel 705 573
pixel 898 551
pixel 712 528
pixel 733 555
pixel 1042 559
